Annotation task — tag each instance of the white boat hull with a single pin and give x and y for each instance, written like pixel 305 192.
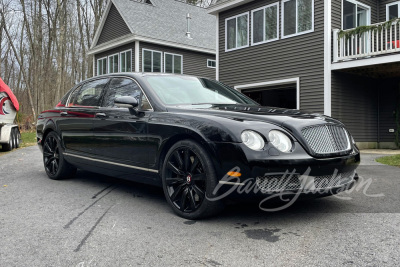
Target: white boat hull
pixel 7 110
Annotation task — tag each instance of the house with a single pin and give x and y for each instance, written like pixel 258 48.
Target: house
pixel 155 36
pixel 313 55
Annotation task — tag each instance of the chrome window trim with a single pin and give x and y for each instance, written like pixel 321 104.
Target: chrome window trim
pixel 80 86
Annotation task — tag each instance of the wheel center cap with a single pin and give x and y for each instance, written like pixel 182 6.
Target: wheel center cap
pixel 189 178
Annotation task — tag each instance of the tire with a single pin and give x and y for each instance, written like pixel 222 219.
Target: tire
pixel 188 176
pixel 10 145
pixel 54 163
pixel 17 138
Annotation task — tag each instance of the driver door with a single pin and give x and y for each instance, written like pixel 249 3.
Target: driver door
pixel 120 134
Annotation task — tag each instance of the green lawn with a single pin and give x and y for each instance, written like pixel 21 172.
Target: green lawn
pixel 28 139
pixel 390 160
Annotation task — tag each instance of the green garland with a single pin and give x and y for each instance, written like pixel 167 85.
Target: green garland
pixel 363 29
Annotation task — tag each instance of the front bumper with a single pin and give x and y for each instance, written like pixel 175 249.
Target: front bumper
pixel 269 171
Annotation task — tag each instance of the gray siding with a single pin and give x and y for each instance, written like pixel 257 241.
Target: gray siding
pixel 299 56
pixel 114 27
pixel 365 105
pixel 114 51
pixel 194 63
pixel 355 103
pixel 382 9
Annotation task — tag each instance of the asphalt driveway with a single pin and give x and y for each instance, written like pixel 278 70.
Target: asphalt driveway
pixel 94 220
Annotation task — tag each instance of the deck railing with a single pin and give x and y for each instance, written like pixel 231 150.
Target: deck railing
pixel 377 39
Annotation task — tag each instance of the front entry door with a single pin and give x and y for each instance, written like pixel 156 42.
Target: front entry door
pixel 119 133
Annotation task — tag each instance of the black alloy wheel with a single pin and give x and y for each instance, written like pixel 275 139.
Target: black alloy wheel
pixel 51 155
pixel 188 177
pixel 55 165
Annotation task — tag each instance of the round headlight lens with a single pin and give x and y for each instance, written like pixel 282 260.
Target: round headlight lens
pixel 253 140
pixel 280 140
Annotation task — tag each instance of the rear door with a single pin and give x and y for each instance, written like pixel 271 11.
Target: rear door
pixel 120 134
pixel 76 121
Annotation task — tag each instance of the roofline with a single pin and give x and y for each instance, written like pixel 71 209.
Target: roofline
pixel 135 37
pixel 219 7
pixel 103 20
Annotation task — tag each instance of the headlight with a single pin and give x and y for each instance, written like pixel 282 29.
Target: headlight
pixel 253 140
pixel 280 140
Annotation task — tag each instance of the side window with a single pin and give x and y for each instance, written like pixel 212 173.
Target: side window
pixel 121 87
pixel 88 95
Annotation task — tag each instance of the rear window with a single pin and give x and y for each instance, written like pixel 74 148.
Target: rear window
pixel 89 95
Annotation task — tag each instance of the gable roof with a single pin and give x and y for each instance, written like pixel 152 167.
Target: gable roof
pixel 163 22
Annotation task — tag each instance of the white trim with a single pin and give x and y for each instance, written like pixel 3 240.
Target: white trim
pixel 277 24
pixel 225 5
pixel 152 52
pixel 390 58
pixel 392 4
pixel 137 56
pixel 360 4
pixel 133 37
pixel 226 31
pixel 208 66
pixel 217 49
pixel 94 66
pixel 108 63
pixel 120 60
pixel 283 36
pixel 97 70
pixel 327 58
pixel 173 62
pixel 272 83
pixel 112 163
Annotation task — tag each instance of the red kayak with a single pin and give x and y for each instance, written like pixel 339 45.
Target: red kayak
pixel 5 89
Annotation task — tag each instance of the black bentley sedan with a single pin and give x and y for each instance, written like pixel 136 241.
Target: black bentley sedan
pixel 197 138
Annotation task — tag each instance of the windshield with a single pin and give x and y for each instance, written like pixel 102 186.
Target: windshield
pixel 186 90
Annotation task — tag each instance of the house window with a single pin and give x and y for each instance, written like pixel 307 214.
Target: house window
pixel 151 61
pixel 297 17
pixel 237 32
pixel 265 24
pixel 173 63
pixel 113 63
pixel 126 61
pixel 355 14
pixel 211 63
pixel 102 66
pixel 392 10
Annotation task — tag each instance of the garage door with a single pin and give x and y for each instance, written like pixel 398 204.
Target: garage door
pixel 282 96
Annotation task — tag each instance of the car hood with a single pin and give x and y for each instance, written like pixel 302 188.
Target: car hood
pixel 290 119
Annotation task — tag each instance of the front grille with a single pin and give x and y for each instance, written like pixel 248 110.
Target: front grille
pixel 283 182
pixel 326 139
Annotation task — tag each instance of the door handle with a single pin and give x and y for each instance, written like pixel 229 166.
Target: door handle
pixel 64 113
pixel 101 115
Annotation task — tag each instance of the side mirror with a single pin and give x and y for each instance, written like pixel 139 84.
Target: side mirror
pixel 126 102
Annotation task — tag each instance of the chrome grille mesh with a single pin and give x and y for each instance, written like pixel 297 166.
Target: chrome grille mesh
pixel 284 182
pixel 278 182
pixel 326 139
pixel 329 181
